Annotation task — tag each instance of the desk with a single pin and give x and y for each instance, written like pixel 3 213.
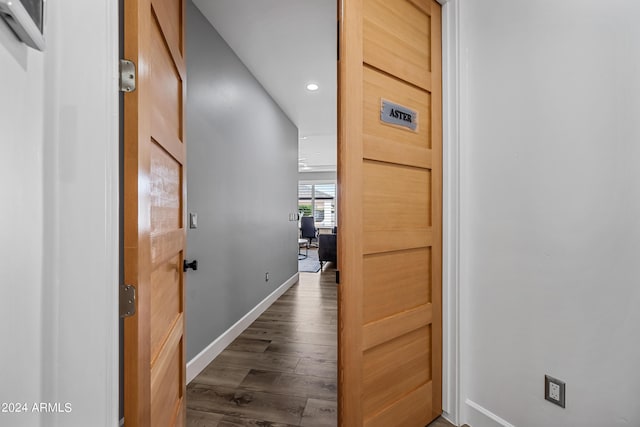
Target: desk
pixel 325 230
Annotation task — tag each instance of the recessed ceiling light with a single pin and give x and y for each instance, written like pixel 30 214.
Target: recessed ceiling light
pixel 313 87
pixel 303 137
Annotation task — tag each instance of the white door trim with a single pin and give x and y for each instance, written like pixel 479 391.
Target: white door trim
pixel 451 210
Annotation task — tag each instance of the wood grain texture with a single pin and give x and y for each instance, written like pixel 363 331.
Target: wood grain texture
pixel 136 206
pixel 350 182
pixel 389 246
pixel 396 202
pixel 383 330
pixel 220 375
pixel 230 421
pixel 165 246
pixel 319 413
pixel 166 190
pixel 291 384
pixel 166 377
pixel 397 40
pixel 409 410
pixel 391 143
pixel 166 302
pixel 169 14
pixel 166 91
pixel 252 404
pixel 396 368
pixel 203 419
pixel 154 236
pixel 395 282
pixel 436 207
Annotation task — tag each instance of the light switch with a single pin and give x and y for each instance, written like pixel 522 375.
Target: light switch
pixel 193 220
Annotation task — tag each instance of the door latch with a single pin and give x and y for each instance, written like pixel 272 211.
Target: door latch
pixel 127 301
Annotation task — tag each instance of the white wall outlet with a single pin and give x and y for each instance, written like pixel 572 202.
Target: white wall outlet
pixel 554 390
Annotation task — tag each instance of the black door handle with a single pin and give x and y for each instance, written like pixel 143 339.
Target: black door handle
pixel 190 265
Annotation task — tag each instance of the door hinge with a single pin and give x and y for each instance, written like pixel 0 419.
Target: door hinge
pixel 337 277
pixel 127 76
pixel 127 300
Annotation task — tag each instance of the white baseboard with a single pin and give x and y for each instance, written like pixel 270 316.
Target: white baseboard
pixel 206 356
pixel 479 416
pixel 447 416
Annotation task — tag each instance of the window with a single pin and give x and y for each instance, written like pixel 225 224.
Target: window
pixel 319 201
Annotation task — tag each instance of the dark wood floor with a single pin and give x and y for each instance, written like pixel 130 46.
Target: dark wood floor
pixel 282 370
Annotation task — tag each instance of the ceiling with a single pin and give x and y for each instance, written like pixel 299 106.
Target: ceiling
pixel 287 44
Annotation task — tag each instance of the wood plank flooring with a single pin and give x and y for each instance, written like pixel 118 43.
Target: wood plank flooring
pixel 281 371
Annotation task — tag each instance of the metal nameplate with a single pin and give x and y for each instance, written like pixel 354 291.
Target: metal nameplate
pixel 398 115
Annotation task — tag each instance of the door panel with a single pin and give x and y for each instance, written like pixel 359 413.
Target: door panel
pixel 166 89
pixel 385 273
pixel 154 210
pixel 397 39
pixel 392 368
pixel 166 302
pixel 406 410
pixel 391 143
pixel 390 244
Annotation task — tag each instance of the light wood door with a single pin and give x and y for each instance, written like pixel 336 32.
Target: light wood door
pixel 154 214
pixel 390 204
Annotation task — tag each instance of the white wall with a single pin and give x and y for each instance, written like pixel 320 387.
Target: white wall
pixel 80 335
pixel 59 186
pixel 21 72
pixel 550 210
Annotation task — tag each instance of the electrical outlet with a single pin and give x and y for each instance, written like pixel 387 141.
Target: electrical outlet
pixel 554 390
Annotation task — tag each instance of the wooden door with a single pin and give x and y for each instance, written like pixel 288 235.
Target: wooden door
pixel 154 214
pixel 390 182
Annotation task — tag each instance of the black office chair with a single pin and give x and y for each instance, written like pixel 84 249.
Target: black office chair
pixel 308 229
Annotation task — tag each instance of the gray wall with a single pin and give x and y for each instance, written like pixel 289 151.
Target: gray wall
pixel 242 174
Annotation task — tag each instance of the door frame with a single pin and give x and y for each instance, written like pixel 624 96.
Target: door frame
pixel 451 254
pixel 451 190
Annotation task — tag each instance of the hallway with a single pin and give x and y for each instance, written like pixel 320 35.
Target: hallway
pixel 281 371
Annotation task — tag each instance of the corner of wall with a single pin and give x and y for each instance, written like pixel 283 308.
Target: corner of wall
pixel 477 416
pixel 217 346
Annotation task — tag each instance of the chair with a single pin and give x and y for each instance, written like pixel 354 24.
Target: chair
pixel 308 229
